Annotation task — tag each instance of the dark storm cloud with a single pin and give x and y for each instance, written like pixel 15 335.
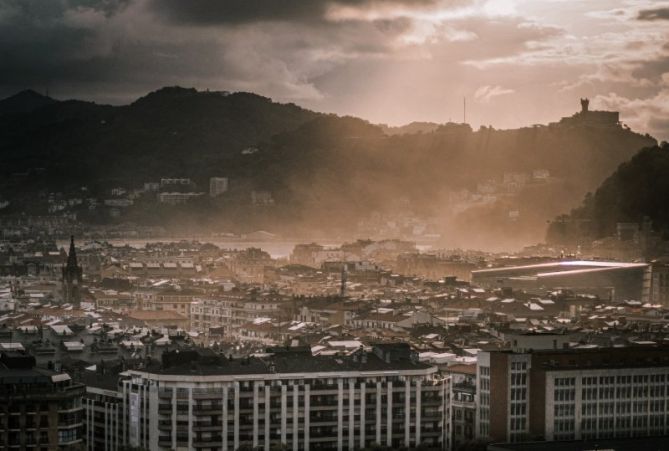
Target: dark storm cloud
pixel 93 41
pixel 39 41
pixel 654 14
pixel 385 60
pixel 39 10
pixel 84 47
pixel 212 12
pixel 207 12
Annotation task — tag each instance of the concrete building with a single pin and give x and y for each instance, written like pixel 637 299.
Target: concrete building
pixel 199 400
pixel 217 186
pixel 462 404
pixel 164 182
pixel 177 198
pixel 433 267
pixel 658 292
pixel 211 313
pixel 103 411
pixel 575 394
pixel 40 408
pixel 178 301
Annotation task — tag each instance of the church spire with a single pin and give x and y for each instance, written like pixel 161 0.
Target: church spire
pixel 72 277
pixel 72 255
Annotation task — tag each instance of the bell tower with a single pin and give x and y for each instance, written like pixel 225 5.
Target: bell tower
pixel 72 274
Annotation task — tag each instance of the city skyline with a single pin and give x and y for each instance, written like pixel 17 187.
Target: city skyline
pixel 319 225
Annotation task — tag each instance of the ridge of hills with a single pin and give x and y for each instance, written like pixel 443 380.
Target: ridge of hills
pixel 636 192
pixel 324 172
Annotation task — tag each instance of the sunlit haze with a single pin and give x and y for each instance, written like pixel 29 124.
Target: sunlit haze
pixel 517 62
pixel 319 225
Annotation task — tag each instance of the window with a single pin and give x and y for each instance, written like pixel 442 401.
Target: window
pixel 66 436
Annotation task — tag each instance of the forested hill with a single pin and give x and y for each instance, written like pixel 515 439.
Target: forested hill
pixel 322 170
pixel 170 132
pixel 638 189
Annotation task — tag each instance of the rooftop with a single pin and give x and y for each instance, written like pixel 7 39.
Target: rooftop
pixel 204 362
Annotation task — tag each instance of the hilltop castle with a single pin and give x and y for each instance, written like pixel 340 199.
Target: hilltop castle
pixel 586 117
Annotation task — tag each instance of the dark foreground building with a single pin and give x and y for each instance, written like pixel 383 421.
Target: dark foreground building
pixel 39 409
pixel 574 394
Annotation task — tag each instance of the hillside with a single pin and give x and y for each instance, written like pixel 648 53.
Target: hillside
pixel 168 133
pixel 638 189
pixel 24 102
pixel 324 172
pixel 413 127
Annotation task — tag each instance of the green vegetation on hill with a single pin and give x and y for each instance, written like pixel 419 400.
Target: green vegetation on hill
pixel 173 132
pixel 323 171
pixel 638 189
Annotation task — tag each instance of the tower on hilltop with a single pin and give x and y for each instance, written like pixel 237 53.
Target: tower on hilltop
pixel 72 273
pixel 585 104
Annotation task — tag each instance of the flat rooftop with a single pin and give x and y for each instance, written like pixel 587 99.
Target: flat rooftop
pixel 561 266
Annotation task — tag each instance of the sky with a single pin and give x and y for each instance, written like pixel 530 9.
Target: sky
pixel 517 62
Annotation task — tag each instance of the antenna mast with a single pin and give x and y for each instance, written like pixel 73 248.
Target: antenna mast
pixel 464 110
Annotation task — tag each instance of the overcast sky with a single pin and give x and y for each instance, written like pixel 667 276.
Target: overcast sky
pixel 517 62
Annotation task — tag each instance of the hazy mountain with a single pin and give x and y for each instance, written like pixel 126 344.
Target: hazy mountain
pixel 170 132
pixel 413 127
pixel 24 102
pixel 638 189
pixel 324 172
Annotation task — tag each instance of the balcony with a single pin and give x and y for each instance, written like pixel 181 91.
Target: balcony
pixel 69 442
pixel 212 442
pixel 206 426
pixel 208 395
pixel 70 425
pixel 210 410
pixel 165 442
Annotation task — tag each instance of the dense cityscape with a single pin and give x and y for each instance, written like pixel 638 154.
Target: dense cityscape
pixel 345 225
pixel 188 345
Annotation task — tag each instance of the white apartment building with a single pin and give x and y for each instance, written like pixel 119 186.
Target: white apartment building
pixel 198 400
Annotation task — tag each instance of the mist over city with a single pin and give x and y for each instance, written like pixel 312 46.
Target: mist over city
pixel 334 225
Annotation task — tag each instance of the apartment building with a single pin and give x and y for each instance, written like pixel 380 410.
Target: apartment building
pixel 572 394
pixel 103 411
pixel 286 397
pixel 211 313
pixel 178 301
pixel 40 408
pixel 462 404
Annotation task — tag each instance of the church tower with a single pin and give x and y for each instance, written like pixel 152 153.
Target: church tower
pixel 72 273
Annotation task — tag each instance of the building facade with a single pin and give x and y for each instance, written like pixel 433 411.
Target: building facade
pixel 462 405
pixel 572 394
pixel 217 186
pixel 286 398
pixel 39 409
